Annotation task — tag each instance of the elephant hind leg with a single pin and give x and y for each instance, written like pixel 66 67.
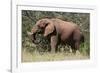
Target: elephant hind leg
pixel 76 39
pixel 73 49
pixel 77 52
pixel 75 46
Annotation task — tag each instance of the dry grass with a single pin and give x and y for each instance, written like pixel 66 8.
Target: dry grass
pixel 37 57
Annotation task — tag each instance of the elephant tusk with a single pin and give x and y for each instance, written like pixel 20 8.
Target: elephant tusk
pixel 29 33
pixel 44 35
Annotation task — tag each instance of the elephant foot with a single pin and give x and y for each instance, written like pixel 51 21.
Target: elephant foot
pixel 73 51
pixel 77 52
pixel 52 51
pixel 70 51
pixel 61 50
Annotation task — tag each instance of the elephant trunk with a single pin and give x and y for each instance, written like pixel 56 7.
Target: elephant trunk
pixel 34 34
pixel 34 39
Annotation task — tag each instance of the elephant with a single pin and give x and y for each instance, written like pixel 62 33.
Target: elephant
pixel 58 31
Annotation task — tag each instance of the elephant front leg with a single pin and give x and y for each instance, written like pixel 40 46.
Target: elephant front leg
pixel 53 44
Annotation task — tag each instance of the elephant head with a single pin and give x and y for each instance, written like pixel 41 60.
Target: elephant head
pixel 42 27
pixel 46 25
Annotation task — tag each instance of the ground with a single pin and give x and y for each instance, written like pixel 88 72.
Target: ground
pixel 47 56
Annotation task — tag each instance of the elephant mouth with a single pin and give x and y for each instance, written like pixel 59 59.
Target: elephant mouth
pixel 36 37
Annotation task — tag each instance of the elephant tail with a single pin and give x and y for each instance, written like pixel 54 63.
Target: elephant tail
pixel 82 38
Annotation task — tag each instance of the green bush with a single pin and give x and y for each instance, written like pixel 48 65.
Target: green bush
pixel 85 48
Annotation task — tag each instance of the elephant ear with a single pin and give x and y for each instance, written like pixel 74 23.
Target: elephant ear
pixel 49 29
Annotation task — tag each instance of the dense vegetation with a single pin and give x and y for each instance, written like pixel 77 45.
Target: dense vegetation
pixel 29 18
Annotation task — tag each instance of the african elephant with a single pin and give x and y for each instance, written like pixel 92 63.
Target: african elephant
pixel 59 31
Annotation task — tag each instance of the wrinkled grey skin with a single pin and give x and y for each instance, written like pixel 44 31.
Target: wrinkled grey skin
pixel 58 31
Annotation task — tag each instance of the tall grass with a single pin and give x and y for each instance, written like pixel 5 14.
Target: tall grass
pixel 85 48
pixel 34 53
pixel 47 56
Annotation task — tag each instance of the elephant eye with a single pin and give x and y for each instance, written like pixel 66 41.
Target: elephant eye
pixel 38 26
pixel 46 24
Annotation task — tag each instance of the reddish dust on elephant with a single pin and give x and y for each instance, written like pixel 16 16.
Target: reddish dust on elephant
pixel 59 32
